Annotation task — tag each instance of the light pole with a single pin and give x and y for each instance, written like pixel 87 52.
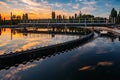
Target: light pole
pixel 11 18
pixel 85 26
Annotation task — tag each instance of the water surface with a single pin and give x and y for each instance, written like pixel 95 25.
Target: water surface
pixel 98 59
pixel 12 40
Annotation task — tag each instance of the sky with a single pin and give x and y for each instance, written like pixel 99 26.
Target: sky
pixel 38 9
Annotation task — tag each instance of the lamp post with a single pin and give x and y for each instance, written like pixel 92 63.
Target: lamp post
pixel 11 18
pixel 85 26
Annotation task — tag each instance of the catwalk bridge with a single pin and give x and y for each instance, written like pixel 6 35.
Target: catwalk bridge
pixel 62 23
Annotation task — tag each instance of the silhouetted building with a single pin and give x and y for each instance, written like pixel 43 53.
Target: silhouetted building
pixel 4 19
pixel 0 31
pixel 11 15
pixel 25 17
pixel 80 14
pixel 18 17
pixel 53 15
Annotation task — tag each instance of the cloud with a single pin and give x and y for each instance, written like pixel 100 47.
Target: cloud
pixel 30 2
pixel 76 6
pixel 89 3
pixel 3 4
pixel 88 10
pixel 107 5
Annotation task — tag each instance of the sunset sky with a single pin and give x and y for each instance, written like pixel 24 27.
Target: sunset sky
pixel 43 8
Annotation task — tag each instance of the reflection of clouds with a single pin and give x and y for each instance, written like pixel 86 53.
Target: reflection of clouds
pixel 30 45
pixel 20 42
pixel 103 50
pixel 101 64
pixel 12 74
pixel 91 44
pixel 2 52
pixel 105 63
pixel 3 44
pixel 87 68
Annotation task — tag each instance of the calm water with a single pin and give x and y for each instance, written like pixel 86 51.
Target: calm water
pixel 11 40
pixel 98 59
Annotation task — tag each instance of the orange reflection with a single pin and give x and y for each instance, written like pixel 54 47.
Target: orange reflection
pixel 29 45
pixel 105 63
pixel 2 52
pixel 86 68
pixel 12 40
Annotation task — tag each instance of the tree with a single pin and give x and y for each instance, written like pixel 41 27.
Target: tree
pixel 53 15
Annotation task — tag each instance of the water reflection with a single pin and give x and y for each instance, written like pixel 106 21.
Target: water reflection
pixel 97 60
pixel 12 74
pixel 105 64
pixel 86 68
pixel 12 40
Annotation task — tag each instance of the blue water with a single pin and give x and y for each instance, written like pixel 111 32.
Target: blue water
pixel 98 59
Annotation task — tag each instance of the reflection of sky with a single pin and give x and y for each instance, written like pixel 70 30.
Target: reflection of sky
pixel 12 74
pixel 91 59
pixel 20 42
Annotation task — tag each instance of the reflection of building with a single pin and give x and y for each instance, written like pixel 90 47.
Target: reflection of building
pixel 0 17
pixel 11 15
pixel 53 35
pixel 0 31
pixel 25 17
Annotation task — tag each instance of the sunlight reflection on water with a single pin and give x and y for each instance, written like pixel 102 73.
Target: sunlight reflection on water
pixel 14 41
